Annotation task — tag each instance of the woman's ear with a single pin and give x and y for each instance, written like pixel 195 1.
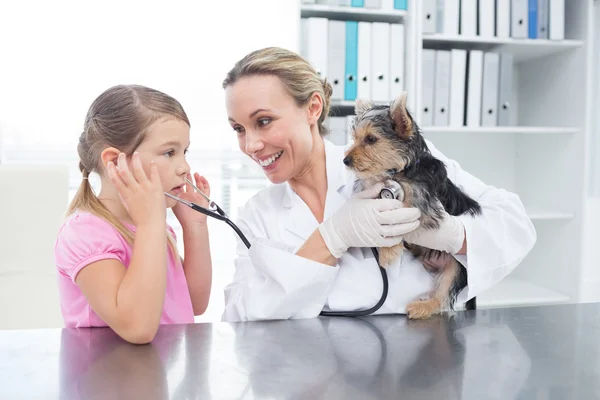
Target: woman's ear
pixel 109 154
pixel 315 108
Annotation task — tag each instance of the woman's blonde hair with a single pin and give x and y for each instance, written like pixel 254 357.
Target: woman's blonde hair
pixel 119 118
pixel 297 75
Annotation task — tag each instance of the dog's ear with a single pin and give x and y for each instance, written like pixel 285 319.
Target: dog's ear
pixel 401 118
pixel 362 106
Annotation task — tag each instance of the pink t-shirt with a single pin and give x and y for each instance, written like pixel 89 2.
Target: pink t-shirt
pixel 85 238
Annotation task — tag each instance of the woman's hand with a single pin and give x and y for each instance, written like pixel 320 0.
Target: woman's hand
pixel 142 196
pixel 448 237
pixel 186 216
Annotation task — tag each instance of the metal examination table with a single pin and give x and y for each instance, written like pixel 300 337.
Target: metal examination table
pixel 550 352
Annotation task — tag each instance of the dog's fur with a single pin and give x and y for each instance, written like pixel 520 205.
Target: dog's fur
pixel 389 146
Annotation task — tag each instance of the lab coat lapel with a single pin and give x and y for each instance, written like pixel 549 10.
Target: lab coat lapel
pixel 300 221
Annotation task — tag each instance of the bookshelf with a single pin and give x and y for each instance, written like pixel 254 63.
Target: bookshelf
pixel 541 155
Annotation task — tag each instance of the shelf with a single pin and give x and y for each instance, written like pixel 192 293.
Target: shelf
pixel 522 49
pixel 536 214
pixel 502 130
pixel 515 292
pixel 352 13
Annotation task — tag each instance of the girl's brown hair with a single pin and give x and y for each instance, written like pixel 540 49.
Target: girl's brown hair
pixel 118 118
pixel 297 75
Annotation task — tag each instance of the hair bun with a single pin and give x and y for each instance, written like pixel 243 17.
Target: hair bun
pixel 327 89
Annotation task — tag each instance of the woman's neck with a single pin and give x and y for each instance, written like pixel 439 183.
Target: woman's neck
pixel 109 196
pixel 311 183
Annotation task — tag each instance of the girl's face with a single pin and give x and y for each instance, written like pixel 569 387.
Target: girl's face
pixel 270 127
pixel 166 143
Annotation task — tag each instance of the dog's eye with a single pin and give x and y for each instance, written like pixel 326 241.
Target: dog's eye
pixel 370 139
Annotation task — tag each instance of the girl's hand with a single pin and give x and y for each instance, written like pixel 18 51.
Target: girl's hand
pixel 142 196
pixel 186 216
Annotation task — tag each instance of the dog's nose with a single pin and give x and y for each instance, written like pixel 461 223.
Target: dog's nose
pixel 347 161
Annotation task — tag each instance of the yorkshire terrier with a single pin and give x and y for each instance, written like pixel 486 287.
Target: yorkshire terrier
pixel 388 147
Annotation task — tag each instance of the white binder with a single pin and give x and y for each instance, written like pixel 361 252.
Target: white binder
pixel 428 84
pixel 441 95
pixel 489 100
pixel 474 84
pixel 519 20
pixel 318 29
pixel 458 75
pixel 380 66
pixel 503 18
pixel 304 38
pixel 468 17
pixel 448 17
pixel 387 5
pixel 429 16
pixel 372 3
pixel 364 74
pixel 396 60
pixel 557 19
pixel 505 86
pixel 542 19
pixel 345 3
pixel 487 19
pixel 336 60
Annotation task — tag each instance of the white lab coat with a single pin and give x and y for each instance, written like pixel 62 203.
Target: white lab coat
pixel 271 282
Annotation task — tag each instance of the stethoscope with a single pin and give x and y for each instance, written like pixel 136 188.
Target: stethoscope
pixel 217 212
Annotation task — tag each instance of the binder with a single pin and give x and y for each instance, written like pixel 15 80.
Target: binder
pixel 328 2
pixel 344 3
pixel 468 17
pixel 351 60
pixel 474 85
pixel 318 29
pixel 364 73
pixel 358 3
pixel 489 99
pixel 380 65
pixel 441 95
pixel 448 17
pixel 542 19
pixel 396 60
pixel 336 58
pixel 400 4
pixel 304 38
pixel 387 5
pixel 372 4
pixel 518 19
pixel 505 86
pixel 429 16
pixel 487 18
pixel 458 75
pixel 532 14
pixel 503 18
pixel 557 19
pixel 427 88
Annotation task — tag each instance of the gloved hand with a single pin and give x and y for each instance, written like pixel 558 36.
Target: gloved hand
pixel 449 237
pixel 367 222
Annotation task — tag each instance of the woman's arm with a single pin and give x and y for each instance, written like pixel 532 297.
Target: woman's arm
pixel 197 265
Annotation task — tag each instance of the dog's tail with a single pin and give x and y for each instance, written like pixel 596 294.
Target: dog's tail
pixel 458 202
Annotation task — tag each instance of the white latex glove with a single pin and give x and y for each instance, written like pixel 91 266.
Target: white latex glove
pixel 367 222
pixel 449 237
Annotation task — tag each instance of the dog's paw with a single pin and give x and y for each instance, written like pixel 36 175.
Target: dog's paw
pixel 423 309
pixel 387 255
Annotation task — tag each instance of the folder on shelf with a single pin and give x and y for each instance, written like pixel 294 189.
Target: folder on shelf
pixel 304 38
pixel 557 20
pixel 489 95
pixel 532 14
pixel 351 60
pixel 448 17
pixel 505 86
pixel 468 18
pixel 458 74
pixel 474 85
pixel 387 5
pixel 327 2
pixel 487 18
pixel 400 4
pixel 542 19
pixel 317 43
pixel 345 3
pixel 429 20
pixel 372 4
pixel 364 73
pixel 358 3
pixel 503 18
pixel 427 86
pixel 441 94
pixel 336 58
pixel 380 65
pixel 518 19
pixel 396 60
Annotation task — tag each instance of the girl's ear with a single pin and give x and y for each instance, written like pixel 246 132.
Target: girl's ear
pixel 315 108
pixel 109 154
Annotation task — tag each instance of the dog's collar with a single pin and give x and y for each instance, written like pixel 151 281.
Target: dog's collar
pixel 395 171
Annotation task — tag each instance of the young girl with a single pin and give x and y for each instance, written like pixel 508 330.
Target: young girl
pixel 116 256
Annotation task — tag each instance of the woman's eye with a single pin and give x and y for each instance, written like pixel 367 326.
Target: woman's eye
pixel 238 129
pixel 264 121
pixel 370 139
pixel 170 153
